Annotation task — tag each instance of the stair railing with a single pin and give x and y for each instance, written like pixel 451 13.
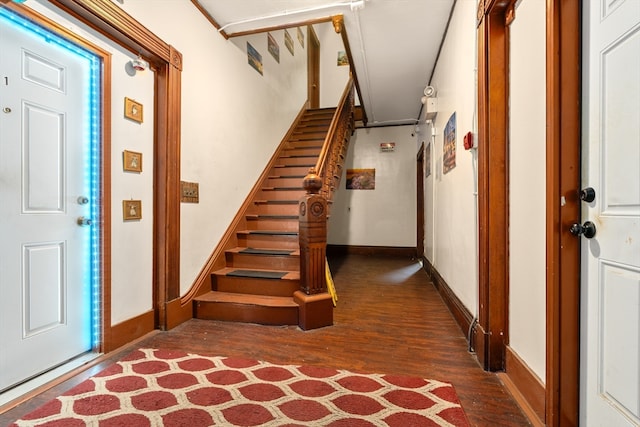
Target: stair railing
pixel 320 184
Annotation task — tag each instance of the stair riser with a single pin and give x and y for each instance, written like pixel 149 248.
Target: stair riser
pixel 307 135
pixel 272 262
pixel 282 194
pixel 260 241
pixel 277 209
pixel 289 171
pixel 297 152
pixel 285 182
pixel 315 127
pixel 233 312
pixel 253 286
pixel 298 161
pixel 314 143
pixel 272 224
pixel 318 115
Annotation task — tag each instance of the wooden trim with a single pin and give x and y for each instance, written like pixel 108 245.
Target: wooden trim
pixel 105 212
pixel 110 20
pixel 420 202
pixel 493 184
pixel 338 25
pixel 308 23
pixel 460 312
pixel 391 251
pixel 313 68
pixel 210 18
pixel 105 155
pixel 132 329
pixel 525 386
pixel 563 180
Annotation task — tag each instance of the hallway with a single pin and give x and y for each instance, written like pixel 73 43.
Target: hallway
pixel 389 319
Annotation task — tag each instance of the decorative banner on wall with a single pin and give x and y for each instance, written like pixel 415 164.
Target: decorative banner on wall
pixel 361 179
pixel 427 161
pixel 272 46
pixel 255 59
pixel 449 145
pixel 343 59
pixel 300 37
pixel 288 41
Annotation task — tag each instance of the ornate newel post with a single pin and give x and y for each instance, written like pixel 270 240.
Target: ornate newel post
pixel 316 306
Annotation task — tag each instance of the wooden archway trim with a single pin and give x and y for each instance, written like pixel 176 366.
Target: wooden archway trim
pixel 563 181
pixel 491 332
pixel 562 207
pixel 113 22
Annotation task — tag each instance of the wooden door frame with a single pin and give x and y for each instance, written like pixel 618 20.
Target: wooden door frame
pixel 105 160
pixel 563 208
pixel 109 19
pixel 313 68
pixel 420 203
pixel 563 94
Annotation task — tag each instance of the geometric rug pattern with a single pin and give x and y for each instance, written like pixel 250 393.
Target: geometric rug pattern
pixel 153 387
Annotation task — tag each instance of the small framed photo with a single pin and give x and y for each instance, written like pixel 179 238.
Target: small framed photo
pixel 132 110
pixel 131 161
pixel 131 210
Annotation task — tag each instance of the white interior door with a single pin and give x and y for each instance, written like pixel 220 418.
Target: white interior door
pixel 45 268
pixel 610 343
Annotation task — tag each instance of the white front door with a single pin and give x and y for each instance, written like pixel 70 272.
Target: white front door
pixel 610 342
pixel 47 167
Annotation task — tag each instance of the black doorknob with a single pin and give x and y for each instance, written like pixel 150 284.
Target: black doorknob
pixel 588 229
pixel 587 194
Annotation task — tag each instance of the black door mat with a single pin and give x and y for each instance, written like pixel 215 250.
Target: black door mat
pixel 255 251
pixel 257 274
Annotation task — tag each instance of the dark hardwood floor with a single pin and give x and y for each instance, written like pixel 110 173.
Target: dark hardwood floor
pixel 389 319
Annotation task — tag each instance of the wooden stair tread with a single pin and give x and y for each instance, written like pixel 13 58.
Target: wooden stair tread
pixel 275 232
pixel 289 275
pixel 276 202
pixel 269 216
pixel 261 300
pixel 265 251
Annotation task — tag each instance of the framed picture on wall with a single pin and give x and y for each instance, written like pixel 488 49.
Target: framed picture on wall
pixel 273 47
pixel 132 110
pixel 131 210
pixel 131 161
pixel 288 41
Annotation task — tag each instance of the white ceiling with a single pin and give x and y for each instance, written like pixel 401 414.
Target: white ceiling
pixel 394 43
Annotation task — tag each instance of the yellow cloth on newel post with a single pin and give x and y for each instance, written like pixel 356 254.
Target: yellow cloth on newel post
pixel 330 285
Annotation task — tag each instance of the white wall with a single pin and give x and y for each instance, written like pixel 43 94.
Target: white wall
pixel 385 216
pixel 131 242
pixel 527 181
pixel 333 78
pixel 233 118
pixel 450 212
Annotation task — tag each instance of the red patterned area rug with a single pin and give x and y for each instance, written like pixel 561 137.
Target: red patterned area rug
pixel 173 388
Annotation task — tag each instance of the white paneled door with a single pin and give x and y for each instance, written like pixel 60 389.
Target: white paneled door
pixel 45 187
pixel 611 259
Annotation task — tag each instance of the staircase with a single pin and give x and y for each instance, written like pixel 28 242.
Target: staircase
pixel 263 272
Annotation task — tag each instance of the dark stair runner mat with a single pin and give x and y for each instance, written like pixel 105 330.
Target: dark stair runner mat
pixel 266 251
pixel 257 274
